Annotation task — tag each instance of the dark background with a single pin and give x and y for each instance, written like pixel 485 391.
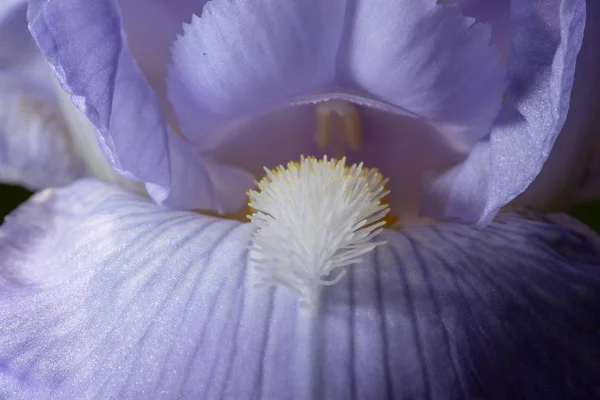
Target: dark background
pixel 10 198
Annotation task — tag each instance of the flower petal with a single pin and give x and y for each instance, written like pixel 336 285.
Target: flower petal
pixel 103 294
pixel 85 47
pixel 430 60
pixel 151 27
pixel 240 56
pixel 199 183
pixel 35 150
pixel 546 38
pixel 494 12
pixel 84 139
pixel 17 47
pixel 557 186
pixel 410 161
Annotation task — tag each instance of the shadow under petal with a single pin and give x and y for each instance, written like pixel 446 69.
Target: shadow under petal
pixel 409 151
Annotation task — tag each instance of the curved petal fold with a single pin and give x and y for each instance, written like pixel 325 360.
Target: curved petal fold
pixel 104 294
pixel 565 176
pixel 243 55
pixel 200 183
pixel 428 59
pixel 546 37
pixel 35 150
pixel 87 52
pixel 151 27
pixel 494 12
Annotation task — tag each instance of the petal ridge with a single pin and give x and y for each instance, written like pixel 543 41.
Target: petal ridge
pixel 105 84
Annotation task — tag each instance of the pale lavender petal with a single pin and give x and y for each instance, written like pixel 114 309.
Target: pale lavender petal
pixel 558 185
pixel 103 294
pixel 241 56
pixel 271 139
pixel 35 150
pixel 563 179
pixel 8 5
pixel 84 139
pixel 545 42
pixel 428 59
pixel 494 12
pixel 17 47
pixel 222 79
pixel 219 179
pixel 200 183
pixel 230 90
pixel 151 27
pixel 411 160
pixel 83 41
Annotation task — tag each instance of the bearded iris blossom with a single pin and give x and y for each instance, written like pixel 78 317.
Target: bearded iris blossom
pixel 105 294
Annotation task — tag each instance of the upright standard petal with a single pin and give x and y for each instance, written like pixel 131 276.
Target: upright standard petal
pixel 230 89
pixel 151 27
pixel 567 173
pixel 545 42
pixel 494 12
pixel 430 60
pixel 241 56
pixel 83 41
pixel 35 150
pixel 144 302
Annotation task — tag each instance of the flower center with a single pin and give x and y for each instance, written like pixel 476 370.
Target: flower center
pixel 313 217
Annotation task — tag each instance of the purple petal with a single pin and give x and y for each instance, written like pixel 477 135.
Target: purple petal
pixel 84 139
pixel 201 184
pixel 103 294
pixel 494 12
pixel 240 56
pixel 430 60
pixel 35 149
pixel 557 184
pixel 387 143
pixel 85 47
pixel 411 160
pixel 17 47
pixel 151 27
pixel 231 89
pixel 545 42
pixel 271 139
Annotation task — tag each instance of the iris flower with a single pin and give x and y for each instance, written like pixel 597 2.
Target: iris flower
pixel 136 282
